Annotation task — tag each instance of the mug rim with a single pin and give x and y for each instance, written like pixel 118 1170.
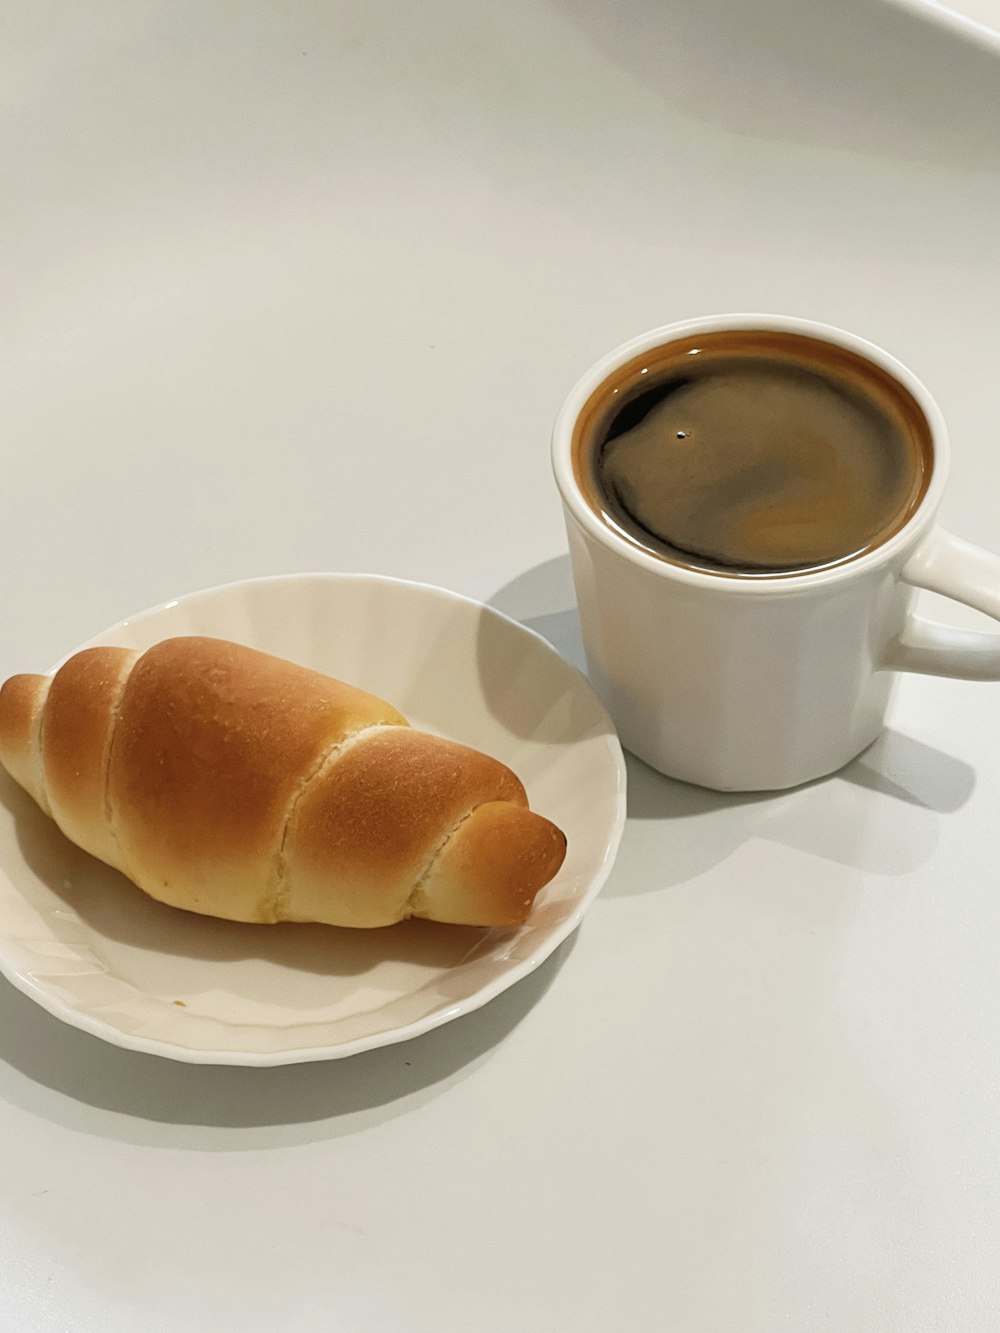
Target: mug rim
pixel 896 547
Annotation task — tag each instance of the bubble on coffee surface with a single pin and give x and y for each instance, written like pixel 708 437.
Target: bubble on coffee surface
pixel 758 464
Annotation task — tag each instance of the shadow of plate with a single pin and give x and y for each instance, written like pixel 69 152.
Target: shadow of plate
pixel 41 1056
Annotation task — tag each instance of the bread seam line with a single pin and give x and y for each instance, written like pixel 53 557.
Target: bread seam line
pixel 116 708
pixel 277 892
pixel 37 750
pixel 432 861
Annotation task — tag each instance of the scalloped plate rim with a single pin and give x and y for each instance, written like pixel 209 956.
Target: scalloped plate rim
pixel 86 1022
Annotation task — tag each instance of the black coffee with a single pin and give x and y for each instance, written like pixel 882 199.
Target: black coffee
pixel 754 453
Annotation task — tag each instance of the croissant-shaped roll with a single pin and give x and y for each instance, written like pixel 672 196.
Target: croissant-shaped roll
pixel 236 784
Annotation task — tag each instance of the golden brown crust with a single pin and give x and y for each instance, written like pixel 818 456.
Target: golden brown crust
pixel 21 701
pixel 233 783
pixel 490 870
pixel 213 742
pixel 17 703
pixel 76 745
pixel 373 818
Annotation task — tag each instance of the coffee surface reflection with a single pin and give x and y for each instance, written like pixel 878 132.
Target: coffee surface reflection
pixel 754 453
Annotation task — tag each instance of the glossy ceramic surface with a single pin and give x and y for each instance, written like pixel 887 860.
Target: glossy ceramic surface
pixel 978 20
pixel 763 684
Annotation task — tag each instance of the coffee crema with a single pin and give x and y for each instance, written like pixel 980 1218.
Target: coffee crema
pixel 751 453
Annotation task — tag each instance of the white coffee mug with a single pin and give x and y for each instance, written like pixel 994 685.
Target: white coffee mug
pixel 764 683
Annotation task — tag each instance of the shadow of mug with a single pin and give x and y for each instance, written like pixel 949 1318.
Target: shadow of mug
pixel 878 814
pixel 543 598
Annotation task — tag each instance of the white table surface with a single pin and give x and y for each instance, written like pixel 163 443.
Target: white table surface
pixel 301 286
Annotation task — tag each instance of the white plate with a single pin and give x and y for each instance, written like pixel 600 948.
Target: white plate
pixel 96 952
pixel 978 19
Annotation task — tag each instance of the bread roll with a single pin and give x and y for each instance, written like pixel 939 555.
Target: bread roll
pixel 228 782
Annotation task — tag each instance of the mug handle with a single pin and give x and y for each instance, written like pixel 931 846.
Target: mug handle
pixel 957 569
